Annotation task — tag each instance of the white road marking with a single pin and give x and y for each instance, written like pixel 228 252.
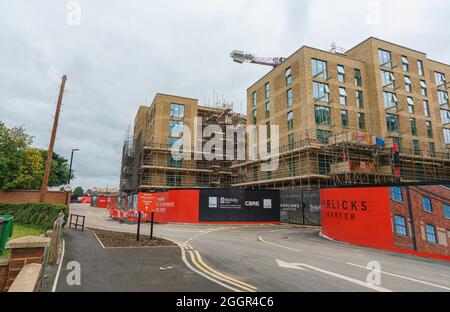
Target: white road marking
pixel 281 246
pixel 281 230
pixel 401 276
pixel 55 282
pixel 343 277
pixel 287 265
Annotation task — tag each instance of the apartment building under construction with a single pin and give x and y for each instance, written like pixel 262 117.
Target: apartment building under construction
pixel 340 113
pixel 148 164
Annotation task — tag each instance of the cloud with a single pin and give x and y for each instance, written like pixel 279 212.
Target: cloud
pixel 123 52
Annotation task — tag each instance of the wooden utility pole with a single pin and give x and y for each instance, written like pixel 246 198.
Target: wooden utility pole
pixel 48 164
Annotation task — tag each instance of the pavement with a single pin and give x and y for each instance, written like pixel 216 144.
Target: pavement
pixel 283 258
pixel 126 269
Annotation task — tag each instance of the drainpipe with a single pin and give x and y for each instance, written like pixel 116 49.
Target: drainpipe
pixel 411 218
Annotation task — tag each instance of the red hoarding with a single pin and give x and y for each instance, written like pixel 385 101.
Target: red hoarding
pixel 102 202
pixel 359 215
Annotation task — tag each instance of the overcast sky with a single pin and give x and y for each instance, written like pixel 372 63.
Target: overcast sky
pixel 123 52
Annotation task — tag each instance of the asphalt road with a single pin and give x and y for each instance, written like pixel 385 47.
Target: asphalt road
pixel 285 258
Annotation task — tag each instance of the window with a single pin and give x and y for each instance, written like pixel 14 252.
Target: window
pixel 342 96
pixel 359 99
pixel 392 123
pixel 177 110
pixel 341 73
pixel 290 121
pixel 420 67
pixel 385 58
pixel 173 179
pixel 429 129
pixel 267 106
pixel 289 97
pixel 288 76
pixel 254 99
pixel 442 97
pixel 432 149
pixel 410 102
pixel 440 79
pixel 426 204
pixel 344 118
pixel 176 128
pixel 431 234
pixel 405 63
pixel 412 123
pixel 426 108
pixel 291 141
pixel 407 84
pixel 416 147
pixel 322 115
pixel 423 88
pixel 292 167
pixel 267 90
pixel 358 79
pixel 268 129
pixel 322 136
pixel 390 100
pixel 400 225
pixel 362 121
pixel 319 69
pixel 447 136
pixel 445 116
pixel 387 79
pixel 446 208
pixel 254 117
pixel 396 194
pixel 255 172
pixel 173 163
pixel 321 91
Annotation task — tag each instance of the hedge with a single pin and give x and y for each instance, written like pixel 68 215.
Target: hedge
pixel 40 214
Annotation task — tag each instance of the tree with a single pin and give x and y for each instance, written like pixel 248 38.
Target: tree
pixel 13 143
pixel 22 167
pixel 78 191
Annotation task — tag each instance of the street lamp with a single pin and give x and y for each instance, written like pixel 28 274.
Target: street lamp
pixel 70 172
pixel 70 167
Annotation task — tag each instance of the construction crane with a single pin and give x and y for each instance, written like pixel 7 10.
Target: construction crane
pixel 247 57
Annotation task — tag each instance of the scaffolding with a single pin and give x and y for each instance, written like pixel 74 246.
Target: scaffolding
pixel 352 157
pixel 148 165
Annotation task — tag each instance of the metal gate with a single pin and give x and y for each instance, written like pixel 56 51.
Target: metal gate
pixel 300 207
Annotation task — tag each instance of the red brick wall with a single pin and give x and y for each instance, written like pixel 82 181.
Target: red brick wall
pixel 32 197
pixel 438 195
pixel 3 276
pixel 21 257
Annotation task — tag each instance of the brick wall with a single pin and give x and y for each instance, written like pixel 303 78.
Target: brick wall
pixel 32 197
pixel 438 196
pixel 21 257
pixel 3 275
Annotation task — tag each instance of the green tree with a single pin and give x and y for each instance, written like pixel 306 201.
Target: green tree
pixel 78 191
pixel 22 167
pixel 13 143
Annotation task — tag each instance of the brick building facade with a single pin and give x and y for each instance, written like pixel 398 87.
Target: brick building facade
pixel 421 218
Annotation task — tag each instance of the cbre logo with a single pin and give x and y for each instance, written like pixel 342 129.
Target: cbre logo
pixel 252 203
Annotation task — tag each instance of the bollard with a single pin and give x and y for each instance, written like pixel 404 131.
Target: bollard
pixel 138 227
pixel 151 225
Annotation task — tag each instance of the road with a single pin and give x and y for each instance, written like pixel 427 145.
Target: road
pixel 285 258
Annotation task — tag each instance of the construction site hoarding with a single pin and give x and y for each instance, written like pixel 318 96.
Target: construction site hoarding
pixel 407 219
pixel 217 206
pixel 300 207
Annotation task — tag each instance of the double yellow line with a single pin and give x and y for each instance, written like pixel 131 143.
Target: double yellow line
pixel 202 266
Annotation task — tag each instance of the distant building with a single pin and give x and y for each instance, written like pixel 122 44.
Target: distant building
pixel 147 162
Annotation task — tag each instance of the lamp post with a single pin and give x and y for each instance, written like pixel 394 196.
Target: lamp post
pixel 70 172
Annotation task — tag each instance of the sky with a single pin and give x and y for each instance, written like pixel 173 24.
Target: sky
pixel 119 54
